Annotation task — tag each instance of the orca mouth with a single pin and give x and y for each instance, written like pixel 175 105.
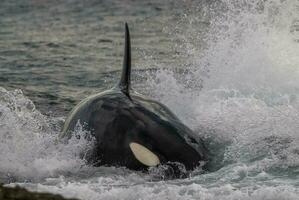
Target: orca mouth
pixel 169 170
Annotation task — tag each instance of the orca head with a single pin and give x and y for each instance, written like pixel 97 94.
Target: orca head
pixel 159 137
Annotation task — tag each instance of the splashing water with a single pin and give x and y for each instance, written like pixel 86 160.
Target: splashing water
pixel 29 148
pixel 247 106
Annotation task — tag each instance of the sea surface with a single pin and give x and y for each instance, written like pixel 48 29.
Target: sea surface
pixel 229 69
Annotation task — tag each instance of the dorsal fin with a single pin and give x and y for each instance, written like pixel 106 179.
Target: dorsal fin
pixel 125 80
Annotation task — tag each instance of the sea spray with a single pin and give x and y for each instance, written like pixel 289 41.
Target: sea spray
pixel 29 147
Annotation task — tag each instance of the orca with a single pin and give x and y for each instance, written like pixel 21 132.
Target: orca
pixel 132 130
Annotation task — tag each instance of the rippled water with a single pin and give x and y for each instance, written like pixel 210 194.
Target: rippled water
pixel 228 69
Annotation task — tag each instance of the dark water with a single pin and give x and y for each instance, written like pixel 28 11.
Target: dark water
pixel 228 69
pixel 58 52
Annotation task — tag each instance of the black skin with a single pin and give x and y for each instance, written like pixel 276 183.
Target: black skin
pixel 116 120
pixel 120 116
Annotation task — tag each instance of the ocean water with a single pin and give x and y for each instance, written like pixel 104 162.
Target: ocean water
pixel 229 69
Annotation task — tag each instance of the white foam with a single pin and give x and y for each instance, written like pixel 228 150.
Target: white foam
pixel 162 190
pixel 29 148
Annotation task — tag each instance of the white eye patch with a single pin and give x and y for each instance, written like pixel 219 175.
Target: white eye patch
pixel 144 155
